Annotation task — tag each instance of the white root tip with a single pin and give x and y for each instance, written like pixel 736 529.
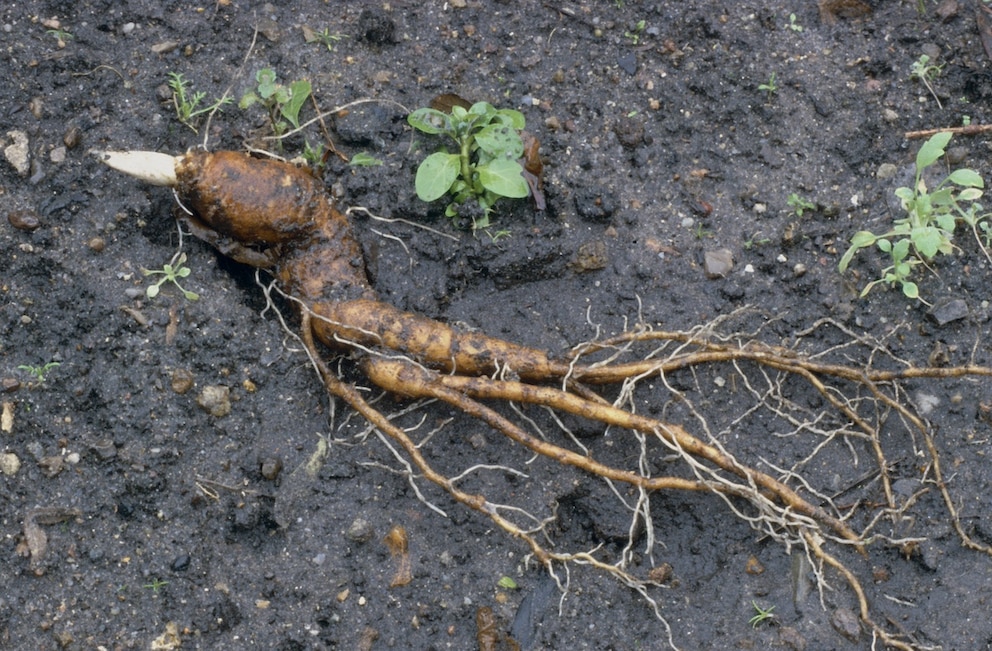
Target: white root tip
pixel 149 166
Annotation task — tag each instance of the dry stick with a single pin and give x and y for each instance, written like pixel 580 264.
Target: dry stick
pixel 404 378
pixel 966 130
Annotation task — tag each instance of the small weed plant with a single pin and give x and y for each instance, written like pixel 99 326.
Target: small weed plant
pixel 172 272
pixel 39 372
pixel 770 87
pixel 799 205
pixel 930 221
pixel 926 72
pixel 634 34
pixel 485 166
pixel 763 615
pixel 188 104
pixel 283 102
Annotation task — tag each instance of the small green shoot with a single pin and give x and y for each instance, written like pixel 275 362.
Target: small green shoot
pixel 507 583
pixel 171 273
pixel 324 37
pixel 39 372
pixel 634 35
pixel 314 156
pixel 930 221
pixel 155 584
pixel 755 240
pixel 793 25
pixel 926 73
pixel 281 101
pixel 799 205
pixel 364 159
pixel 187 102
pixel 486 166
pixel 763 614
pixel 770 87
pixel 61 35
pixel 702 233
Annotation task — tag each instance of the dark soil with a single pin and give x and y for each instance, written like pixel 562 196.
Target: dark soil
pixel 659 148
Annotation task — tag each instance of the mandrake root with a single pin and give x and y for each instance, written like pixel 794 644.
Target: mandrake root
pixel 277 217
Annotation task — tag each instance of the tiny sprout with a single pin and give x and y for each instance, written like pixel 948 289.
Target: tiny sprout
pixel 507 582
pixel 39 372
pixel 171 272
pixel 770 86
pixel 763 614
pixel 799 205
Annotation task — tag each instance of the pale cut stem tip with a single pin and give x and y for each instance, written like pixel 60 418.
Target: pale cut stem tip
pixel 148 166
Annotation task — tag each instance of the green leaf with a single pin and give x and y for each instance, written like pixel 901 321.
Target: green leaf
pixel 505 178
pixel 966 178
pixel 299 91
pixel 430 121
pixel 927 241
pixel 900 250
pixel 364 159
pixel 970 194
pixel 932 150
pixel 436 174
pixel 500 141
pixel 248 99
pixel 862 239
pixel 267 86
pixel 884 245
pixel 946 221
pixel 507 582
pixel 511 118
pixel 910 289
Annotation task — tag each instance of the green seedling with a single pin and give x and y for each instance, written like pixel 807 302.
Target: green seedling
pixel 155 584
pixel 324 37
pixel 930 221
pixel 314 156
pixel 187 102
pixel 799 205
pixel 763 614
pixel 170 273
pixel 793 25
pixel 39 372
pixel 770 86
pixel 926 73
pixel 61 35
pixel 507 582
pixel 364 159
pixel 755 240
pixel 702 233
pixel 634 35
pixel 486 165
pixel 281 101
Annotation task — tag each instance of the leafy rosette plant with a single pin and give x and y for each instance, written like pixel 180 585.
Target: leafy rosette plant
pixel 485 166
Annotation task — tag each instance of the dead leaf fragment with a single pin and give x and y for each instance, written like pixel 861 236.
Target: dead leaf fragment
pixel 35 538
pixel 398 544
pixel 169 639
pixel 7 417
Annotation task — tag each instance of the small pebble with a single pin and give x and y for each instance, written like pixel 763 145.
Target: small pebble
pixel 360 531
pixel 57 155
pixel 719 263
pixel 16 153
pixel 846 623
pixel 96 244
pixel 271 467
pixel 73 136
pixel 948 311
pixel 215 400
pixel 24 220
pixel 182 380
pixel 886 171
pixel 9 464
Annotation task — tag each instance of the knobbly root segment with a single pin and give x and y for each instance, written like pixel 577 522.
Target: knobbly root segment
pixel 275 216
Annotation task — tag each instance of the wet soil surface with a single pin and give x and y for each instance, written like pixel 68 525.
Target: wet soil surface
pixel 180 477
